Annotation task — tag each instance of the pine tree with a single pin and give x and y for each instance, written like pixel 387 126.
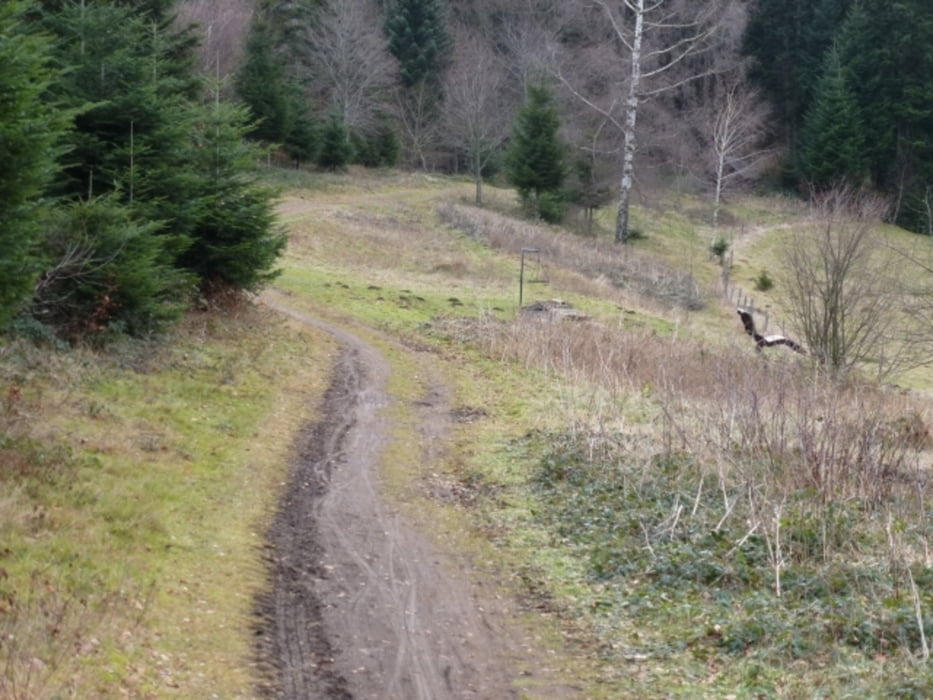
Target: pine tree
pixel 137 77
pixel 288 21
pixel 108 273
pixel 279 106
pixel 787 41
pixel 418 38
pixel 179 170
pixel 866 51
pixel 261 85
pixel 30 131
pixel 534 161
pixel 302 143
pixel 335 152
pixel 235 240
pixel 915 117
pixel 833 137
pixel 887 48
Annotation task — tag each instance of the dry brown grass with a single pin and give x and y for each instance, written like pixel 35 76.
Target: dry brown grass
pixel 603 264
pixel 774 419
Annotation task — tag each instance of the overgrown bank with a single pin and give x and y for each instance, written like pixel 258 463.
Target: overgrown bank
pixel 720 524
pixel 134 488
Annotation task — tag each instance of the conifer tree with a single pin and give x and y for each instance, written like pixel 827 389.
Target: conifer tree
pixel 418 38
pixel 279 106
pixel 30 130
pixel 534 161
pixel 833 137
pixel 336 150
pixel 136 76
pixel 302 142
pixel 787 41
pixel 234 240
pixel 260 84
pixel 177 174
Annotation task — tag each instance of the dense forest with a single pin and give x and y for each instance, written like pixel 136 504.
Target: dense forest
pixel 131 132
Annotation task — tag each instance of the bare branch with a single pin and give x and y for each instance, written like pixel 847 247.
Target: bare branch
pixel 350 62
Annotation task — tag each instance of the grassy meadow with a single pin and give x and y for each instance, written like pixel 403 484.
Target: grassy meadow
pixel 677 515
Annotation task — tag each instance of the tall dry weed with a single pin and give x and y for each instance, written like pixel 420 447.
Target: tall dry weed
pixel 779 423
pixel 620 266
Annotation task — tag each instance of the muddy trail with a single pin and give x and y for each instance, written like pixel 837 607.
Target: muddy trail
pixel 361 605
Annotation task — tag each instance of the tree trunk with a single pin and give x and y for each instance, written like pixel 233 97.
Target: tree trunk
pixel 631 117
pixel 717 198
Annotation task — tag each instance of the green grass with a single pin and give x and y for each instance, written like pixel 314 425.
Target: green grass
pixel 145 496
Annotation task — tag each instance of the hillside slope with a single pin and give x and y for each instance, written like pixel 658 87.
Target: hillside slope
pixel 655 509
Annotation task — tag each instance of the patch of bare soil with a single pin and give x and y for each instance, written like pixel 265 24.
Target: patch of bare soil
pixel 360 605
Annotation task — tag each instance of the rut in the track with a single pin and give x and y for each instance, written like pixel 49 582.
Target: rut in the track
pixel 360 604
pixel 293 642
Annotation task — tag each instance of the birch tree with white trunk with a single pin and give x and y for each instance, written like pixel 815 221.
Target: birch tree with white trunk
pixel 739 127
pixel 653 41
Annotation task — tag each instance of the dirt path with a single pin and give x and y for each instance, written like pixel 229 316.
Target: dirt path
pixel 362 606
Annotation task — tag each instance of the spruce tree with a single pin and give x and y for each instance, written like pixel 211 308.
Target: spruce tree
pixel 865 44
pixel 30 132
pixel 335 148
pixel 261 85
pixel 833 137
pixel 235 241
pixel 146 146
pixel 787 41
pixel 534 161
pixel 279 106
pixel 419 40
pixel 887 48
pixel 302 142
pixel 137 77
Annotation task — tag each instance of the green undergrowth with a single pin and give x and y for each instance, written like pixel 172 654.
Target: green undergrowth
pixel 135 487
pixel 383 305
pixel 689 599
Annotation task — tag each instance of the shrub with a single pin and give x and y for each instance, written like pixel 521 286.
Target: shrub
pixel 107 273
pixel 718 248
pixel 551 207
pixel 763 282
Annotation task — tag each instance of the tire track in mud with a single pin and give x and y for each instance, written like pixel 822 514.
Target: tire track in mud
pixel 360 605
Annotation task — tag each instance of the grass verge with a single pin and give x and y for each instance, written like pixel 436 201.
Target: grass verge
pixel 140 485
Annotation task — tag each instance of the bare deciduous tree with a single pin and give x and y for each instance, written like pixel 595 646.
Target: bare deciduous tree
pixel 224 27
pixel 350 64
pixel 652 41
pixel 844 294
pixel 924 210
pixel 526 38
pixel 475 113
pixel 738 130
pixel 416 110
